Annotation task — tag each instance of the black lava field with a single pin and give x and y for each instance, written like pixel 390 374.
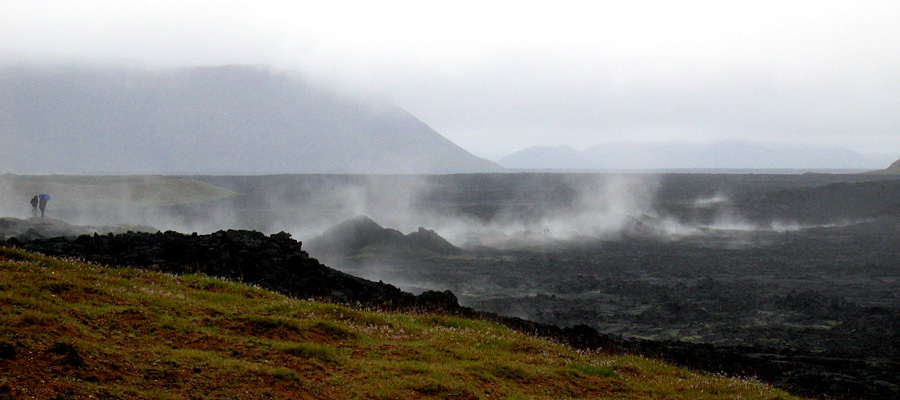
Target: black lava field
pixel 800 270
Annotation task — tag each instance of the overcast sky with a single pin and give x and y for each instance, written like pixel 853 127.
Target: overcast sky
pixel 496 77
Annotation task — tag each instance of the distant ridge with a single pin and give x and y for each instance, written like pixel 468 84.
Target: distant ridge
pixel 734 154
pixel 216 120
pixel 893 169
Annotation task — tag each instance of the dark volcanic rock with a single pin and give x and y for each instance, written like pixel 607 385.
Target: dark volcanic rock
pixel 68 352
pixel 273 262
pixel 361 235
pixel 60 348
pixel 7 351
pixel 440 301
pixel 351 236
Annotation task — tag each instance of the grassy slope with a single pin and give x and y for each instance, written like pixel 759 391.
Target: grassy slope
pixel 149 190
pixel 154 336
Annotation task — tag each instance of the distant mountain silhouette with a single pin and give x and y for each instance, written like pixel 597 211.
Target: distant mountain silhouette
pixel 723 154
pixel 550 157
pixel 893 169
pixel 216 120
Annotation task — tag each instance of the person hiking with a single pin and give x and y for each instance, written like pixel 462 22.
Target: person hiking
pixel 43 199
pixel 34 206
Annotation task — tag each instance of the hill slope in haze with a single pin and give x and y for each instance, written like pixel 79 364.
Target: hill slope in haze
pixel 77 330
pixel 217 120
pixel 893 169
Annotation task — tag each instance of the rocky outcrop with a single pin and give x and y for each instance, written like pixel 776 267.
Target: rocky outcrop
pixel 363 235
pixel 68 354
pixel 7 351
pixel 273 262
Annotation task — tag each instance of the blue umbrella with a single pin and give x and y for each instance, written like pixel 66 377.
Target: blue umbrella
pixel 45 197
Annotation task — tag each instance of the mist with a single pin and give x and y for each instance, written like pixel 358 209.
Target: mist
pixel 499 211
pixel 307 205
pixel 578 75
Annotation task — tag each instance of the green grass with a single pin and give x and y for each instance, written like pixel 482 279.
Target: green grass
pixel 592 370
pixel 154 336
